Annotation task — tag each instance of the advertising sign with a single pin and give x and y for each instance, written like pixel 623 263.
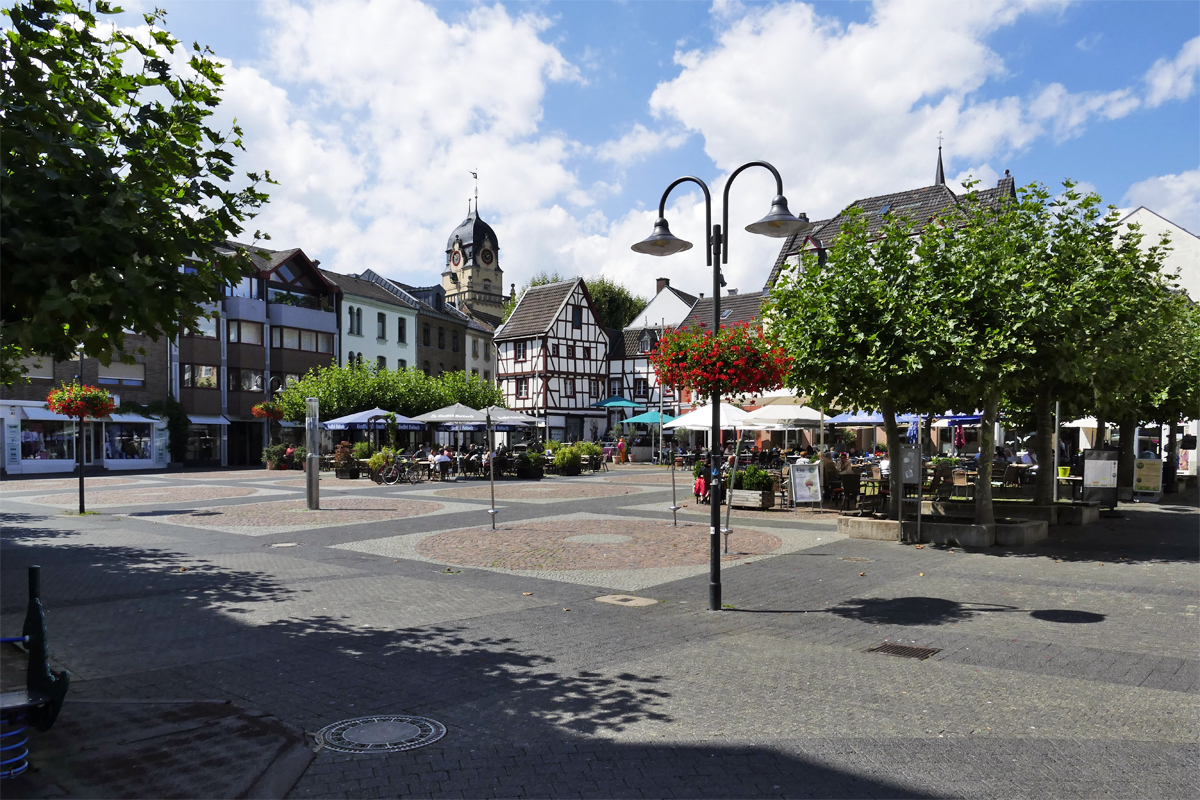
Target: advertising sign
pixel 910 463
pixel 1099 474
pixel 806 483
pixel 1147 476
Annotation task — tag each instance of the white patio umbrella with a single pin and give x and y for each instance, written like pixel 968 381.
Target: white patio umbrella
pixel 783 417
pixel 780 397
pixel 701 418
pixel 457 414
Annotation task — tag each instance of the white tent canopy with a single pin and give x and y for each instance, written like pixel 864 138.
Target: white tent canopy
pixel 701 418
pixel 786 415
pixel 780 397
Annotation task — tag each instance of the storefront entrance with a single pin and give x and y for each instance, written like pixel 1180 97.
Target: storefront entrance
pixel 245 444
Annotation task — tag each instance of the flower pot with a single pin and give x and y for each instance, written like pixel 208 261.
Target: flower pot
pixel 745 498
pixel 351 474
pixel 571 469
pixel 270 465
pixel 529 473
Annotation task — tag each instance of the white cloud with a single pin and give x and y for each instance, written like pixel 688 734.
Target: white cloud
pixel 1069 113
pixel 639 143
pixel 1174 79
pixel 1175 197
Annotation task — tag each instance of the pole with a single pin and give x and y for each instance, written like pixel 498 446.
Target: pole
pixel 920 478
pixel 79 439
pixel 714 520
pixel 492 464
pixel 1054 444
pixel 737 450
pixel 312 462
pixel 660 407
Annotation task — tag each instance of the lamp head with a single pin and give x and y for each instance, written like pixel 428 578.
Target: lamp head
pixel 779 223
pixel 662 242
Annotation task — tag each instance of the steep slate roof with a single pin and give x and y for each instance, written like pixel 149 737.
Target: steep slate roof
pixel 919 205
pixel 352 284
pixel 684 296
pixel 741 307
pixel 536 310
pixel 274 258
pixel 625 343
pixel 472 231
pixel 490 321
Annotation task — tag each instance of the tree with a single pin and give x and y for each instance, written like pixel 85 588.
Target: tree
pixel 357 387
pixel 615 304
pixel 116 191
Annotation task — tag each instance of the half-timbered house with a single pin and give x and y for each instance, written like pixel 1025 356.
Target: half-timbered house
pixel 553 360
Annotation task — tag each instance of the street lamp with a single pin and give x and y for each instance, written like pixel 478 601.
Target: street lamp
pixel 779 223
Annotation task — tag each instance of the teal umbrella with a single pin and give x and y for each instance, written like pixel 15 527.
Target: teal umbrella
pixel 649 418
pixel 616 401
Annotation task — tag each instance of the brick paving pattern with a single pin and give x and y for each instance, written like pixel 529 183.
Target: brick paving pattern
pixel 147 495
pixel 568 545
pixel 294 514
pixel 51 484
pixel 539 491
pixel 682 479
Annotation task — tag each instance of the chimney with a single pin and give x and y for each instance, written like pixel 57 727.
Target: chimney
pixel 732 292
pixel 661 284
pixel 702 294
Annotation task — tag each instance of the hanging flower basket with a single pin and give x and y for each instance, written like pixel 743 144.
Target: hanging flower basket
pixel 80 401
pixel 268 409
pixel 738 359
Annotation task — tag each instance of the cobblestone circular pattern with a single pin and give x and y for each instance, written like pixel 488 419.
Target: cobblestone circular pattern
pixel 288 512
pixel 50 485
pixel 146 495
pixel 553 545
pixel 683 479
pixel 599 538
pixel 226 475
pixel 386 734
pixel 539 491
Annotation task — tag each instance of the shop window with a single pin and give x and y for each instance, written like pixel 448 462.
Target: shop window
pixel 48 440
pixel 200 376
pixel 127 440
pixel 203 443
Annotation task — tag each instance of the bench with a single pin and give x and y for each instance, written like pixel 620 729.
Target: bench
pixel 40 701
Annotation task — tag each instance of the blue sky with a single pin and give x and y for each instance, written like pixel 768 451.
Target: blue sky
pixel 577 115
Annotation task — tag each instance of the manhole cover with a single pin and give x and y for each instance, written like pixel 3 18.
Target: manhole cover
pixel 905 651
pixel 387 734
pixel 626 600
pixel 599 538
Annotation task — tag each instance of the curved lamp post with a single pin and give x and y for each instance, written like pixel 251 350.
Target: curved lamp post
pixel 779 223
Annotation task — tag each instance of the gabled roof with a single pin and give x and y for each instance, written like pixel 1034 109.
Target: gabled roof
pixel 684 296
pixel 490 321
pixel 918 205
pixel 537 309
pixel 267 261
pixel 626 343
pixel 360 287
pixel 740 307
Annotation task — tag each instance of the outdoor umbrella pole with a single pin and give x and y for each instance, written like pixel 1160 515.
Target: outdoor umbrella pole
pixel 492 466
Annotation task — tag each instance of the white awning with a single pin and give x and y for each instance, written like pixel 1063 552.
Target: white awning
pixel 43 414
pixel 198 419
pixel 129 418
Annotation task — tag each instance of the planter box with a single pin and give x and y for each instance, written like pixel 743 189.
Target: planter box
pixel 960 532
pixel 744 498
pixel 1021 532
pixel 887 530
pixel 351 474
pixel 1079 513
pixel 573 469
pixel 529 473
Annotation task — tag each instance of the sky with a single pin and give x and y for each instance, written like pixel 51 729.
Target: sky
pixel 372 115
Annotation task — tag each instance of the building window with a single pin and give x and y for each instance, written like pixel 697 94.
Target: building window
pixel 206 328
pixel 568 387
pixel 570 351
pixel 296 339
pixel 127 440
pixel 425 368
pixel 245 380
pixel 554 350
pixel 246 287
pixel 358 321
pixel 487 376
pixel 282 380
pixel 441 338
pixel 200 376
pixel 401 330
pixel 381 362
pixel 38 367
pixel 47 440
pixel 667 390
pixel 245 332
pixel 454 340
pixel 639 387
pixel 119 374
pixel 644 344
pixel 523 387
pixel 576 316
pixel 487 351
pixel 403 363
pixel 350 320
pixel 587 354
pixel 614 387
pixel 425 335
pixel 519 351
pixel 441 369
pixel 474 373
pixel 474 347
pixel 381 326
pixel 594 388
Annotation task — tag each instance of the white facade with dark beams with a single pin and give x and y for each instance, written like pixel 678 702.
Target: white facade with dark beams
pixel 552 360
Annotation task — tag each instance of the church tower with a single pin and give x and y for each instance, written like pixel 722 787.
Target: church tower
pixel 472 278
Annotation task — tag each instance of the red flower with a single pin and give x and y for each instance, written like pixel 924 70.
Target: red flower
pixel 74 400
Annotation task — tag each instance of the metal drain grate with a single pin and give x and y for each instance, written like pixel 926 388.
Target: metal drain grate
pixel 905 651
pixel 383 734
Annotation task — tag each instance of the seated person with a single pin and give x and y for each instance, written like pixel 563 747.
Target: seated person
pixel 442 460
pixel 843 464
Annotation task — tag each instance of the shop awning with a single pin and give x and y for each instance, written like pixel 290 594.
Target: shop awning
pixel 129 418
pixel 43 414
pixel 199 419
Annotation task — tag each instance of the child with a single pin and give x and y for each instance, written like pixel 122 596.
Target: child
pixel 700 489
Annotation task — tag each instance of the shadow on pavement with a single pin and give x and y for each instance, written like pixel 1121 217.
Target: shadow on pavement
pixel 518 723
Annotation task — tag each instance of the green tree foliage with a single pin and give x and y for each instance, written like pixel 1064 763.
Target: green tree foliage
pixel 354 388
pixel 113 182
pixel 615 304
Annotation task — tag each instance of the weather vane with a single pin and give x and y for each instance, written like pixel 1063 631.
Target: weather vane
pixel 475 175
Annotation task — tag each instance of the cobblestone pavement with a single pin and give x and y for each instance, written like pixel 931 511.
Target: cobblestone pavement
pixel 145 495
pixel 574 490
pixel 1065 669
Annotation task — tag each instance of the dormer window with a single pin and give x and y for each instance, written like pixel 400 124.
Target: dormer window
pixel 726 313
pixel 644 344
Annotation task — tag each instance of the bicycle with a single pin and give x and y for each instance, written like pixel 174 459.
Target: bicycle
pixel 390 472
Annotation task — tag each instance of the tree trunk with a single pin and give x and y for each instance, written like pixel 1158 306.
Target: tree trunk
pixel 1044 411
pixel 1171 466
pixel 1125 460
pixel 985 514
pixel 1101 432
pixel 896 477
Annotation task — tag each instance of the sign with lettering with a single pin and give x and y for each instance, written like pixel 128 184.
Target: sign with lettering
pixel 1147 476
pixel 1098 474
pixel 806 483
